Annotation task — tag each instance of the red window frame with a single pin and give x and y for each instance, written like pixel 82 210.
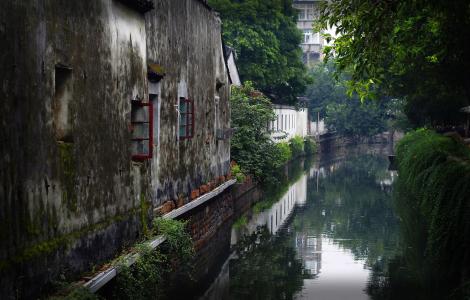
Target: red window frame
pixel 186 115
pixel 149 138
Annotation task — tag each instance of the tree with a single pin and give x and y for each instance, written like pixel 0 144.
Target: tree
pixel 413 49
pixel 356 119
pixel 251 145
pixel 345 113
pixel 266 39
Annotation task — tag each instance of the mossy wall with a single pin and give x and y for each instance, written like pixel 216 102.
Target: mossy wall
pixel 72 200
pixel 184 37
pixel 68 204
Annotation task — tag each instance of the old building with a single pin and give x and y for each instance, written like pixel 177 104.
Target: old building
pixel 110 109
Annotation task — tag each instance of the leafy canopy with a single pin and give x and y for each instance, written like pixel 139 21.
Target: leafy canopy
pixel 415 49
pixel 266 39
pixel 343 113
pixel 251 145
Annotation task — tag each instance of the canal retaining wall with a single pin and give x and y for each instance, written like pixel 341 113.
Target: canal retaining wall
pixel 93 139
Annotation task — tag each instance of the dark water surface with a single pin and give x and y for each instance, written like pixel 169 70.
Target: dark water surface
pixel 322 236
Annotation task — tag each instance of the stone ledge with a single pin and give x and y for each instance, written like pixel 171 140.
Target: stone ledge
pixel 105 276
pixel 200 200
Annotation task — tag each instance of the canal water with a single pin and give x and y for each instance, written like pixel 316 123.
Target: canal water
pixel 322 234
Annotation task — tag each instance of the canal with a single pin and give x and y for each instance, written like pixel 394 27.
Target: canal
pixel 327 233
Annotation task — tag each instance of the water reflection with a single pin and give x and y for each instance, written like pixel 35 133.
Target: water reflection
pixel 318 237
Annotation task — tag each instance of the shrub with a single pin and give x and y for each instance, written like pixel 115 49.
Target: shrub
pixel 310 146
pixel 297 146
pixel 251 145
pixel 285 152
pixel 76 293
pixel 237 172
pixel 434 188
pixel 149 277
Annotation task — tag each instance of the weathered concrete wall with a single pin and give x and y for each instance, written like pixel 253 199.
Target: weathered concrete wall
pixel 184 37
pixel 70 197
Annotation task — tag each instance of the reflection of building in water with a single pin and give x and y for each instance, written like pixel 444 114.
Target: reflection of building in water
pixel 386 183
pixel 309 250
pixel 276 216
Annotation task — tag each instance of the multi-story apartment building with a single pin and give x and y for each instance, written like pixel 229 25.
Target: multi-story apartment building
pixel 312 43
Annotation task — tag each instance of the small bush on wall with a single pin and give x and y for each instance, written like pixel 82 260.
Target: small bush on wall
pixel 297 146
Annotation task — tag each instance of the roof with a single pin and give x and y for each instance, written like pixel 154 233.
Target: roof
pixel 204 2
pixel 141 6
pixel 229 50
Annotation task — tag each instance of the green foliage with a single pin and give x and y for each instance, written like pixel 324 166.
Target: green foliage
pixel 285 152
pixel 266 268
pixel 310 146
pixel 266 39
pixel 296 145
pixel 150 276
pixel 77 293
pixel 242 221
pixel 142 280
pixel 416 50
pixel 275 190
pixel 237 172
pixel 346 114
pixel 177 237
pixel 325 89
pixel 435 170
pixel 356 119
pixel 251 145
pixel 432 199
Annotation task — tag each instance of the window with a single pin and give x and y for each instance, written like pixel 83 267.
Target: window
pixel 186 118
pixel 301 14
pixel 142 130
pixel 309 14
pixel 307 36
pixel 60 105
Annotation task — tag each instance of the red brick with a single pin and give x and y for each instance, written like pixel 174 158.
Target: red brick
pixel 194 194
pixel 167 207
pixel 204 188
pixel 180 201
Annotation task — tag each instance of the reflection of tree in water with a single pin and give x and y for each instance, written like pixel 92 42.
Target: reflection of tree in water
pixel 352 208
pixel 266 267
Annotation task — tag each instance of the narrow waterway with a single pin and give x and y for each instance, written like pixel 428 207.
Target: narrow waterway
pixel 322 236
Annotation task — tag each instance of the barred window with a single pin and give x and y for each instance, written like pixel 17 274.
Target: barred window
pixel 186 118
pixel 142 130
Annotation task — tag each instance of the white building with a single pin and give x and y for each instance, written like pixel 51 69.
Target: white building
pixel 289 122
pixel 312 43
pixel 317 127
